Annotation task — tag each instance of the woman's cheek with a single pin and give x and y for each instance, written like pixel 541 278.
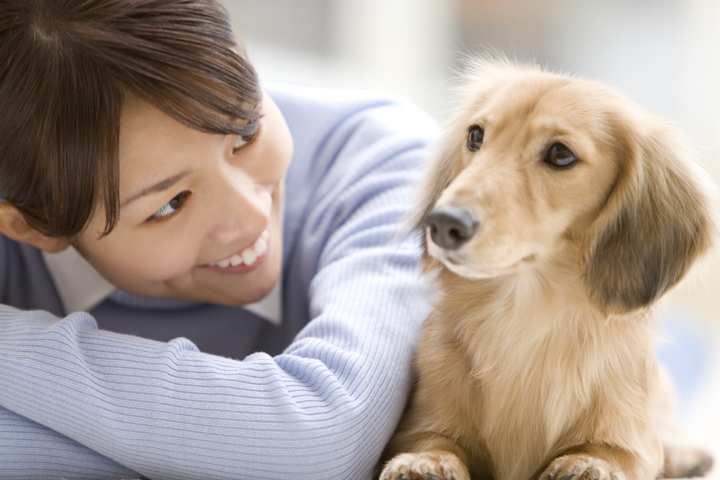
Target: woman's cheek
pixel 163 261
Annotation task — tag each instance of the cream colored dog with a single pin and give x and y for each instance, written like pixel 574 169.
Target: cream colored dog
pixel 556 215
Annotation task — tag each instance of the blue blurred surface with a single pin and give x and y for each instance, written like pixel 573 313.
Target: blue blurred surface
pixel 686 352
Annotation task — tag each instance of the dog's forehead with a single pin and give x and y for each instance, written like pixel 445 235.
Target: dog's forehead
pixel 542 102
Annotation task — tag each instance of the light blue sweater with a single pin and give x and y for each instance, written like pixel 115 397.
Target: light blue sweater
pixel 179 390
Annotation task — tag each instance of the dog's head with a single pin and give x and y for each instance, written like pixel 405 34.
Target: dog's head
pixel 534 164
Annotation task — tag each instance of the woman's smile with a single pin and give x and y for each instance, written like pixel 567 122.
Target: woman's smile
pixel 245 260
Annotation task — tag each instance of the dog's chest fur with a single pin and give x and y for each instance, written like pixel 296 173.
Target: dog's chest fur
pixel 538 372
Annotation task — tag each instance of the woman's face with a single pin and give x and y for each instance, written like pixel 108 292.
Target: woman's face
pixel 200 213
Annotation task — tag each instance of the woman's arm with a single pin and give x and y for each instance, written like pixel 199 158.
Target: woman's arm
pixel 168 411
pixel 29 450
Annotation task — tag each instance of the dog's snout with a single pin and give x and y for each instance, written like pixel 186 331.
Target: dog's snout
pixel 451 227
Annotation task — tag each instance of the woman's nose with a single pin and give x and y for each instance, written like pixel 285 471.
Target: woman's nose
pixel 239 208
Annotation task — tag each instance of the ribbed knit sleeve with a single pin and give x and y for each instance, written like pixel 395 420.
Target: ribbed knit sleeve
pixel 324 408
pixel 30 451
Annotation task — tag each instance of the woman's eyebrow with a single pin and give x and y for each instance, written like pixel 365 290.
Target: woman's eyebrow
pixel 160 186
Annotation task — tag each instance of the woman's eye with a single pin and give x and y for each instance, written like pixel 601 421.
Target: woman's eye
pixel 475 138
pixel 241 141
pixel 558 155
pixel 171 207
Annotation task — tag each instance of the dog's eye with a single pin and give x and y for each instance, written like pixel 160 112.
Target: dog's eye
pixel 475 138
pixel 560 156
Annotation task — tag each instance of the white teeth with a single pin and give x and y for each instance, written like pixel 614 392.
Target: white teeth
pixel 247 256
pixel 260 246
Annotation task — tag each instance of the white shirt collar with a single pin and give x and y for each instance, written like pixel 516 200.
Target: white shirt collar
pixel 82 288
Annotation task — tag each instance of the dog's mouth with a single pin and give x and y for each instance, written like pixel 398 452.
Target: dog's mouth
pixel 458 262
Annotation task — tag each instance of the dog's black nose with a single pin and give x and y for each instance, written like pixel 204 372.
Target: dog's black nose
pixel 450 227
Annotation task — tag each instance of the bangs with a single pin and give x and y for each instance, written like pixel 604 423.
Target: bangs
pixel 65 68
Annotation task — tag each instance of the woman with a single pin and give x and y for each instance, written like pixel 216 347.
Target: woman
pixel 198 275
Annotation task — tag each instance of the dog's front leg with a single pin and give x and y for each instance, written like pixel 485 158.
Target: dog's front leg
pixel 599 462
pixel 434 457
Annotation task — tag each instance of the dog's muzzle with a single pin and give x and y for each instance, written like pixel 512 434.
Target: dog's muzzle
pixel 451 227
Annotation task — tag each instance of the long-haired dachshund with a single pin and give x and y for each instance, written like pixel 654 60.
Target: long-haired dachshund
pixel 556 215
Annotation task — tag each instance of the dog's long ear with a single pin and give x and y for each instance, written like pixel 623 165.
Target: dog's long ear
pixel 656 223
pixel 445 164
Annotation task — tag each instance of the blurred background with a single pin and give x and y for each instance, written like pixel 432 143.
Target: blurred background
pixel 664 54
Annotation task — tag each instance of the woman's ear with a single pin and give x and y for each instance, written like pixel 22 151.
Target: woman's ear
pixel 13 225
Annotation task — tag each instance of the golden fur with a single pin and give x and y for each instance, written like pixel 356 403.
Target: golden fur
pixel 537 361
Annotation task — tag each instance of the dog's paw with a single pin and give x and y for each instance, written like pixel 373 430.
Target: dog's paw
pixel 685 462
pixel 580 467
pixel 434 465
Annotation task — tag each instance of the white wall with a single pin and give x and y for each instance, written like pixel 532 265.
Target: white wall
pixel 398 46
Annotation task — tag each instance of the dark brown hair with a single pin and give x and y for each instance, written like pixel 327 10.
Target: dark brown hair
pixel 65 68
